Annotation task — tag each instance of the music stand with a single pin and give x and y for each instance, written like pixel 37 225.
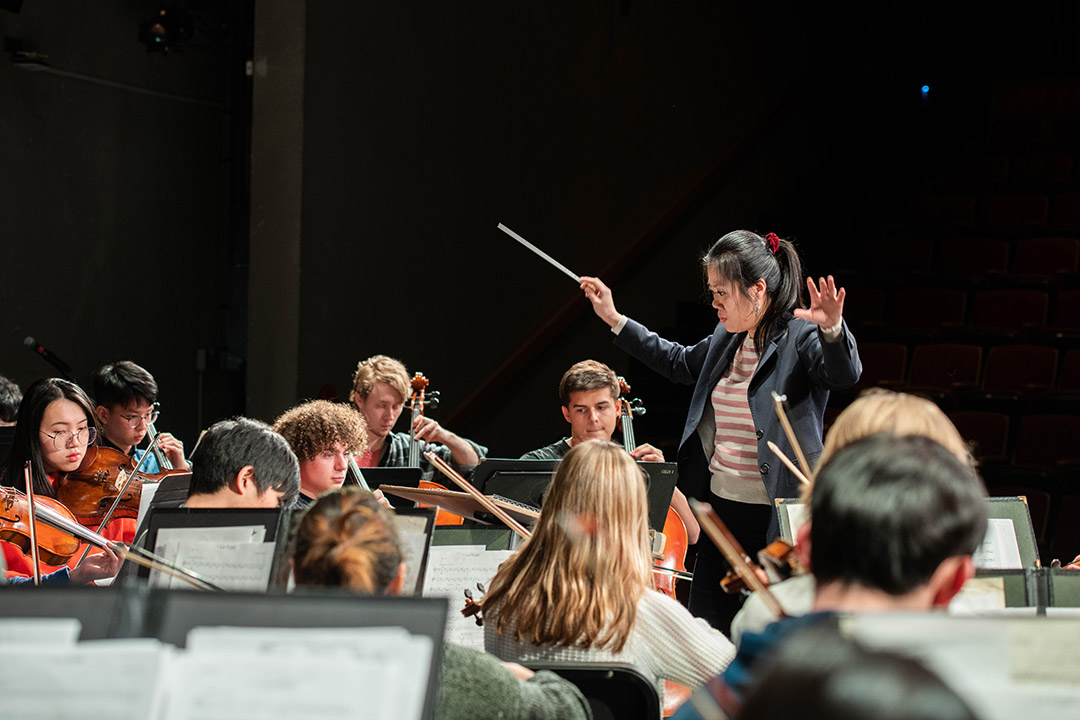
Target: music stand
pixel 274 520
pixel 398 476
pixel 526 481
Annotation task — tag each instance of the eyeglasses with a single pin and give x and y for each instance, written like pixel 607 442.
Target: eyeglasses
pixel 63 439
pixel 133 421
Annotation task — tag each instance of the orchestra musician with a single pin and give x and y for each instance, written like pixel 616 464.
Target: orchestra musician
pixel 589 393
pixel 875 411
pixel 764 342
pixel 54 426
pixel 243 463
pixel 346 539
pixel 894 524
pixel 580 587
pixel 126 397
pixel 323 435
pixel 380 388
pixel 10 397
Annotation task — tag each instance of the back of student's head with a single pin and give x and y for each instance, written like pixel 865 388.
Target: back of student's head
pixel 878 410
pixel 123 384
pixel 888 510
pixel 230 445
pixel 347 539
pixel 586 376
pixel 10 397
pixel 816 673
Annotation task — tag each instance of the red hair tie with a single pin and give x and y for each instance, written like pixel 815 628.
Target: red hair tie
pixel 773 242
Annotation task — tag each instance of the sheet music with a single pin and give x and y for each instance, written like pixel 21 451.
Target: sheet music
pixel 53 632
pixel 452 569
pixel 231 566
pixel 999 550
pixel 798 515
pixel 414 539
pixel 311 673
pixel 170 540
pixel 149 490
pixel 978 596
pixel 990 662
pixel 115 679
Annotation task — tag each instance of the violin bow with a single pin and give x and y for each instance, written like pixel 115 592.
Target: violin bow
pixel 120 495
pixel 787 461
pixel 139 556
pixel 35 558
pixel 779 401
pixel 478 496
pixel 732 551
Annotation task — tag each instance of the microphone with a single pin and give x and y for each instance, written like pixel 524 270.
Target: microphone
pixel 48 356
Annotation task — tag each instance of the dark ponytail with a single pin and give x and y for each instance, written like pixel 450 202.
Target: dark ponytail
pixel 742 258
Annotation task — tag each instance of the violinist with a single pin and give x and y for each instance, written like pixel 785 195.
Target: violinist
pixel 764 342
pixel 894 524
pixel 589 393
pixel 345 539
pixel 381 386
pixel 10 397
pixel 580 588
pixel 53 428
pixel 323 435
pixel 126 396
pixel 874 411
pixel 243 463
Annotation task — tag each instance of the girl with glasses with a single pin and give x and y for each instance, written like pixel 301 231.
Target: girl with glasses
pixel 53 428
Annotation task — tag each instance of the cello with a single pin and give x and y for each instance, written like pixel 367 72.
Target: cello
pixel 669 546
pixel 420 399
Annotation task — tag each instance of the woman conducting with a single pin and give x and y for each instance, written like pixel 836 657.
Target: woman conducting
pixel 765 341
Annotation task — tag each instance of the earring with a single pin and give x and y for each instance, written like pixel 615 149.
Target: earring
pixel 756 308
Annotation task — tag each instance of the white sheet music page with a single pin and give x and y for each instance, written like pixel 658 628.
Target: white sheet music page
pixel 999 550
pixel 54 632
pixel 1005 667
pixel 412 532
pixel 297 672
pixel 115 679
pixel 171 542
pixel 451 570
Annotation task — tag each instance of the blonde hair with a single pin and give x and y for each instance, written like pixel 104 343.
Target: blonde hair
pixel 884 411
pixel 319 425
pixel 381 369
pixel 347 539
pixel 578 579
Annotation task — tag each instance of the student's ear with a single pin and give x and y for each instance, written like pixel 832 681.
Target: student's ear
pixel 102 413
pixel 950 577
pixel 566 413
pixel 802 546
pixel 395 586
pixel 244 482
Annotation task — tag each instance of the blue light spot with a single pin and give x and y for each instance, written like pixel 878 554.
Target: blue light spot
pixel 925 89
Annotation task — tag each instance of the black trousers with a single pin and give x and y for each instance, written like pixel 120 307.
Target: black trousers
pixel 748 523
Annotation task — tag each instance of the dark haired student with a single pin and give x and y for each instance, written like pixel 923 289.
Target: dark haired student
pixel 126 397
pixel 765 341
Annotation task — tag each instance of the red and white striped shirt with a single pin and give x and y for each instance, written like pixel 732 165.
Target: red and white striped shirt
pixel 734 462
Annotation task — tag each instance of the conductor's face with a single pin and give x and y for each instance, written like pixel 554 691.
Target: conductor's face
pixel 733 308
pixel 591 414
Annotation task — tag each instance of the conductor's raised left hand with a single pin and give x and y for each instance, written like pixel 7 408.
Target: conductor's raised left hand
pixel 826 303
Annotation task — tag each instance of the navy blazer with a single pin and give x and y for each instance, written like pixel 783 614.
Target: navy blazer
pixel 798 363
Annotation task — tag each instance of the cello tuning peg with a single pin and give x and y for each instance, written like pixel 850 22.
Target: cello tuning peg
pixel 432 400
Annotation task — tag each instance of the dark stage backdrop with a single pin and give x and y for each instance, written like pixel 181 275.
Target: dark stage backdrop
pixel 579 125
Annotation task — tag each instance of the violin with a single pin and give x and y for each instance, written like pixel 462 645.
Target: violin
pixel 54 546
pixel 106 476
pixel 417 402
pixel 669 546
pixel 779 561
